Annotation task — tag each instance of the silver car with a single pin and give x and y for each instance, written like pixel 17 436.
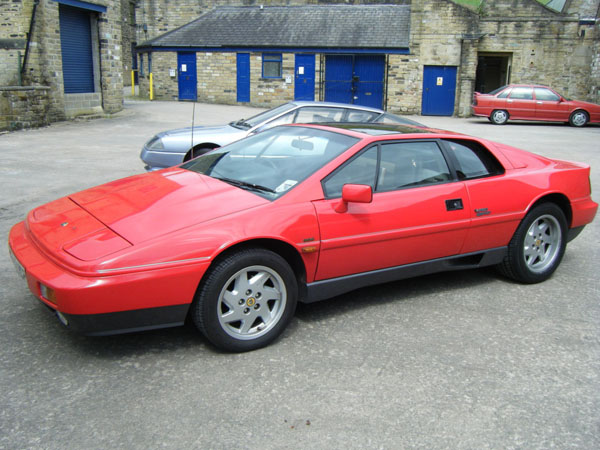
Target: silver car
pixel 169 148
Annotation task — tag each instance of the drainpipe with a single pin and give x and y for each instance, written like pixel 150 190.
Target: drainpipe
pixel 31 24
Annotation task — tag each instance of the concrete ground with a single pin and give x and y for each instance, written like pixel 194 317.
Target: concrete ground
pixel 466 360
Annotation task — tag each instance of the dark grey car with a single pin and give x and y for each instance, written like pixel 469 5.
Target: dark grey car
pixel 169 148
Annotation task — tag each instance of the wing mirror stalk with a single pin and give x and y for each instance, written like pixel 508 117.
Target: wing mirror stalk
pixel 355 193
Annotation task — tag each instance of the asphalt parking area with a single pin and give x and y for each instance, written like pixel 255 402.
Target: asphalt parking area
pixel 460 360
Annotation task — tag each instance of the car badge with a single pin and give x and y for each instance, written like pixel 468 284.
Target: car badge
pixel 64 224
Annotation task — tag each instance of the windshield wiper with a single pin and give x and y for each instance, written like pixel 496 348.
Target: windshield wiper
pixel 241 124
pixel 246 185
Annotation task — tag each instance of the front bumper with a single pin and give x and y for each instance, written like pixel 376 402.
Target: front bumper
pixel 106 304
pixel 156 160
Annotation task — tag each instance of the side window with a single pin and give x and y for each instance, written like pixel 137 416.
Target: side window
pixel 473 161
pixel 355 115
pixel 411 164
pixel 546 95
pixel 360 170
pixel 314 114
pixel 504 93
pixel 522 93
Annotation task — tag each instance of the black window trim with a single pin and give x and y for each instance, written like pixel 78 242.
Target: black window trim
pixel 453 161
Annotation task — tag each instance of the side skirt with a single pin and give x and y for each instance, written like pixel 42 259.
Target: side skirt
pixel 321 290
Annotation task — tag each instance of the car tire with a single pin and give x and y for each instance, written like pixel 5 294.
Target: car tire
pixel 579 118
pixel 499 117
pixel 538 245
pixel 245 300
pixel 195 152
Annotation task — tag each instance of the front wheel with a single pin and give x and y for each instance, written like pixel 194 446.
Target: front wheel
pixel 499 117
pixel 579 118
pixel 195 152
pixel 246 300
pixel 538 245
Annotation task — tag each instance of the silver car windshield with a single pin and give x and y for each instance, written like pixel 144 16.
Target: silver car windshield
pixel 273 162
pixel 262 117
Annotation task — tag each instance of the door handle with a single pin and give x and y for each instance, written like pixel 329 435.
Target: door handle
pixel 454 204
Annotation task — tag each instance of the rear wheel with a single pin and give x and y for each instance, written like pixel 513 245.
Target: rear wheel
pixel 579 118
pixel 246 300
pixel 538 245
pixel 499 117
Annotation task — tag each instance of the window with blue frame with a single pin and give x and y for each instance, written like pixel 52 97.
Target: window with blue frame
pixel 271 65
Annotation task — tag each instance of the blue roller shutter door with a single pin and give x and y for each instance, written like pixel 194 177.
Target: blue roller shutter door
pixel 76 46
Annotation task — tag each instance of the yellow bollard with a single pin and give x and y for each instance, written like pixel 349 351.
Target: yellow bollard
pixel 151 88
pixel 133 83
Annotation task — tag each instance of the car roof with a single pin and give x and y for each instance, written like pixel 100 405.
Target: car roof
pixel 377 129
pixel 337 105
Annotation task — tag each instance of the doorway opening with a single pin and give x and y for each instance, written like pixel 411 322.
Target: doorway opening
pixel 493 71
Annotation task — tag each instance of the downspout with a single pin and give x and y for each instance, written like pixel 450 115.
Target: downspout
pixel 31 24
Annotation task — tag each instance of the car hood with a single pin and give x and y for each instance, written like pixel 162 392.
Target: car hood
pixel 587 105
pixel 150 205
pixel 182 137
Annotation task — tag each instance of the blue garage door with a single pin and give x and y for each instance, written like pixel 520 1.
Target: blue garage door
pixel 76 46
pixel 243 77
pixel 439 89
pixel 304 84
pixel 357 79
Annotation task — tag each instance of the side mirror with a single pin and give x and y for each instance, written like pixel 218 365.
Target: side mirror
pixel 355 193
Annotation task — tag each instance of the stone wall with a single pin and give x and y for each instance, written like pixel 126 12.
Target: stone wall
pixel 111 62
pixel 24 107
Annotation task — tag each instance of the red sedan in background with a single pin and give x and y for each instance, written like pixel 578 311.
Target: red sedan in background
pixel 235 237
pixel 533 102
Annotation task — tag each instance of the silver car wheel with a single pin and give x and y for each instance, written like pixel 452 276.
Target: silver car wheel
pixel 251 302
pixel 542 243
pixel 499 117
pixel 579 118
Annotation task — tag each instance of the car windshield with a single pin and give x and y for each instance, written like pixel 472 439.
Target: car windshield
pixel 273 162
pixel 262 117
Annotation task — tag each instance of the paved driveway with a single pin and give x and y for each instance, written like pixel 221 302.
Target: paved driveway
pixel 461 360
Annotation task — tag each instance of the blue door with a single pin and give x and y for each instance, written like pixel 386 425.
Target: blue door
pixel 357 79
pixel 338 78
pixel 76 48
pixel 304 84
pixel 186 75
pixel 243 77
pixel 369 73
pixel 439 90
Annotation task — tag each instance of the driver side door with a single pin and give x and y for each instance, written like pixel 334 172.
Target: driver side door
pixel 418 212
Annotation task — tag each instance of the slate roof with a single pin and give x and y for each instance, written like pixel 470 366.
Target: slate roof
pixel 312 26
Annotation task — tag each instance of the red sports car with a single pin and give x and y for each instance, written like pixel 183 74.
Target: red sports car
pixel 533 102
pixel 234 238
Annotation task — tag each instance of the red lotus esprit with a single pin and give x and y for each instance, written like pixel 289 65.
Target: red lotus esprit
pixel 234 238
pixel 533 102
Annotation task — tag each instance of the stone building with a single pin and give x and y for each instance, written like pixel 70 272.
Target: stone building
pixel 451 51
pixel 59 59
